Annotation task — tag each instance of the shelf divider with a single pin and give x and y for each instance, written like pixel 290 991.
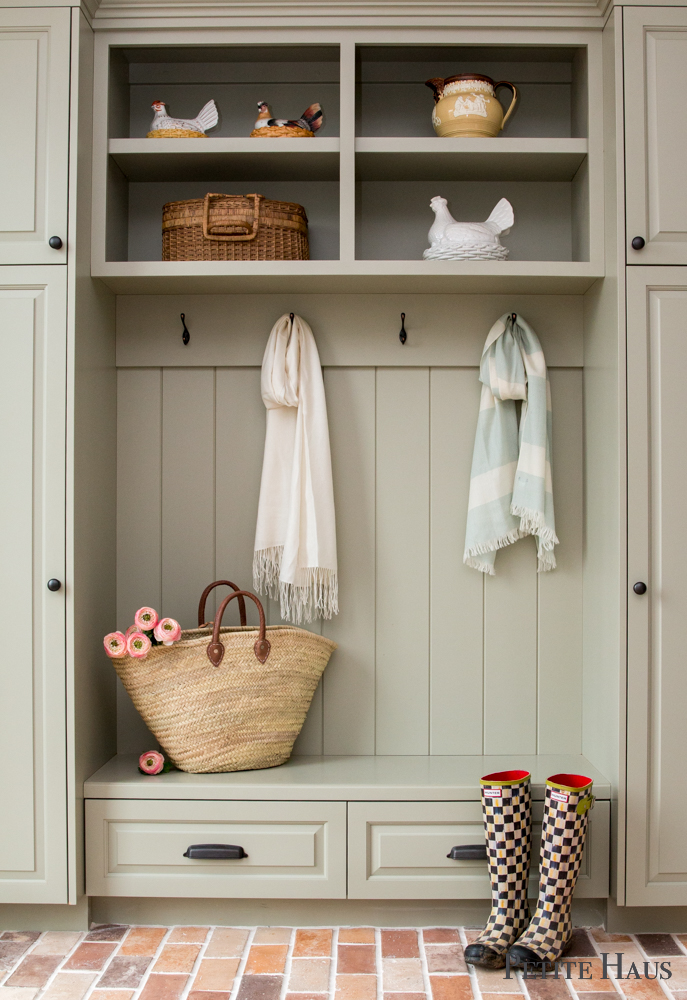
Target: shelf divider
pixel 347 153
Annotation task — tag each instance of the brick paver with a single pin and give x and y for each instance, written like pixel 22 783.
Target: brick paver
pixel 116 962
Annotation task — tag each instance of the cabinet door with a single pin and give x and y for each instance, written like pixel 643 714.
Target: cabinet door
pixel 33 849
pixel 34 110
pixel 657 557
pixel 656 133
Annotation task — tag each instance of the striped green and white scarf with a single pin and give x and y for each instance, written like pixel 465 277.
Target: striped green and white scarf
pixel 511 494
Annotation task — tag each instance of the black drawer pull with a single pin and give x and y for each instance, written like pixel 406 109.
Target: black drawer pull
pixel 468 852
pixel 215 852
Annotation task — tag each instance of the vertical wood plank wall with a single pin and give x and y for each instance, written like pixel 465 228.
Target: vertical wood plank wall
pixel 433 657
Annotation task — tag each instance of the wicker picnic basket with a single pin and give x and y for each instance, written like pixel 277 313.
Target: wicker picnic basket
pixel 235 703
pixel 234 227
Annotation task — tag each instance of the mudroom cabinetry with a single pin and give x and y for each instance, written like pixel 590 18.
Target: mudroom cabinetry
pixel 34 155
pixel 441 674
pixel 657 636
pixel 56 532
pixel 655 55
pixel 33 789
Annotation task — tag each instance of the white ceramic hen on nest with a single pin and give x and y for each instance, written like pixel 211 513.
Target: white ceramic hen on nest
pixel 451 240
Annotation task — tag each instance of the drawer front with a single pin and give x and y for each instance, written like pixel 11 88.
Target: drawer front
pixel 295 849
pixel 397 850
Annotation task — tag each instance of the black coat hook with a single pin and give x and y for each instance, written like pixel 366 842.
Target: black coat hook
pixel 291 318
pixel 186 336
pixel 513 317
pixel 403 336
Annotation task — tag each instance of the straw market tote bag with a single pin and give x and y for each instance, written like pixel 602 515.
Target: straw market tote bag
pixel 235 703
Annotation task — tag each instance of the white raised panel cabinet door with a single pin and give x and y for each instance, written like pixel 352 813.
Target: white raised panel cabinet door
pixel 33 842
pixel 34 111
pixel 655 44
pixel 657 557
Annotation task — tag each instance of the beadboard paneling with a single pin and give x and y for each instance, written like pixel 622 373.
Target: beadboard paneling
pixel 239 444
pixel 510 651
pixel 559 682
pixel 139 524
pixel 402 512
pixel 433 657
pixel 349 681
pixel 456 592
pixel 188 490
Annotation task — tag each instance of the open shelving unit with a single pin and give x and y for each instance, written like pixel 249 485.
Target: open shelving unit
pixel 367 178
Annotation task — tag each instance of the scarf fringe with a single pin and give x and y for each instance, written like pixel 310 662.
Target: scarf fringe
pixel 318 597
pixel 493 545
pixel 482 567
pixel 531 523
pixel 266 569
pixel 546 560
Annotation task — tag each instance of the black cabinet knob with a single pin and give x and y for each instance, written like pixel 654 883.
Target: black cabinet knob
pixel 638 243
pixel 639 588
pixel 55 242
pixel 54 584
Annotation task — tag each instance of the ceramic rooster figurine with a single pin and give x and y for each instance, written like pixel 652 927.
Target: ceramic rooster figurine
pixel 451 240
pixel 164 127
pixel 306 126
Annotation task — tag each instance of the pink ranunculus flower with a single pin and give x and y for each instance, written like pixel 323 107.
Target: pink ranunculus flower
pixel 138 644
pixel 167 631
pixel 146 619
pixel 115 645
pixel 151 762
pixel 131 628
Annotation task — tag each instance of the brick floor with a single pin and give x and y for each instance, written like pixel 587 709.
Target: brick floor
pixel 117 962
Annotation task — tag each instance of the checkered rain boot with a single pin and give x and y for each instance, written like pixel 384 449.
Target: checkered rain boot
pixel 507 812
pixel 564 829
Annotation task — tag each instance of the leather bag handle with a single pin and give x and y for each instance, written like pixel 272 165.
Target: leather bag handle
pixel 204 597
pixel 262 645
pixel 257 198
pixel 516 96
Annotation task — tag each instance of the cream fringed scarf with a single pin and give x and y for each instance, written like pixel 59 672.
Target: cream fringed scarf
pixel 295 539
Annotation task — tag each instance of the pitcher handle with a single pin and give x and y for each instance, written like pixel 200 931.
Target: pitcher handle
pixel 514 90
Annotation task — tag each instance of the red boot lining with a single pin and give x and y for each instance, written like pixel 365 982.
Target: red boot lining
pixel 506 776
pixel 571 780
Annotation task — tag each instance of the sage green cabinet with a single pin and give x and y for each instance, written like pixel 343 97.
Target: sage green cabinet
pixel 655 46
pixel 33 834
pixel 34 153
pixel 398 850
pixel 657 556
pixel 292 849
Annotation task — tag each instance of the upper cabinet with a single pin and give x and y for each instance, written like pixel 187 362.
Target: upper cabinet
pixel 656 134
pixel 34 105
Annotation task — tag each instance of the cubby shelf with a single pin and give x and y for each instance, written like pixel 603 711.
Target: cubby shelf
pixel 376 159
pixel 226 159
pixel 207 277
pixel 367 182
pixel 469 159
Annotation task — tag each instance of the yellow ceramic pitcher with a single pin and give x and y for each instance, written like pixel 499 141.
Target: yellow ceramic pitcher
pixel 467 105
